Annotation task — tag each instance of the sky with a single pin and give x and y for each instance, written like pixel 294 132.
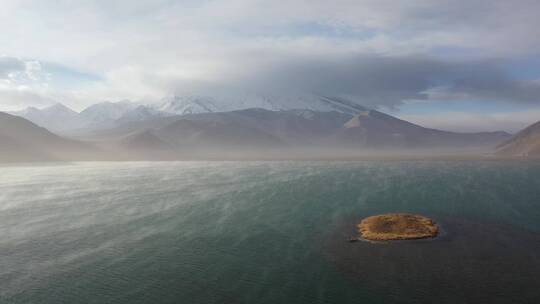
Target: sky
pixel 459 65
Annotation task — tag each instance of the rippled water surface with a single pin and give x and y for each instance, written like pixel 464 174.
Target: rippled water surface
pixel 266 232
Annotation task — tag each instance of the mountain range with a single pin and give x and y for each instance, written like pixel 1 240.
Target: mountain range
pixel 194 127
pixel 302 131
pixel 58 118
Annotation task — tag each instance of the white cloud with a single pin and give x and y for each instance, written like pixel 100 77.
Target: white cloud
pixel 8 66
pixel 146 49
pixel 99 35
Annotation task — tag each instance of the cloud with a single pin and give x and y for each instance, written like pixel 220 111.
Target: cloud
pixel 373 80
pixel 382 52
pixel 98 28
pixel 9 65
pixel 16 98
pixel 489 87
pixel 21 71
pixel 387 81
pixel 23 83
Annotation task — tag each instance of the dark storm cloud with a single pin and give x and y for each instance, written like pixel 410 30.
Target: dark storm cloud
pixel 389 81
pixel 487 82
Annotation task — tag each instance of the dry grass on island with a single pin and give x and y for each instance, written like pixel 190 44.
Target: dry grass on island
pixel 397 226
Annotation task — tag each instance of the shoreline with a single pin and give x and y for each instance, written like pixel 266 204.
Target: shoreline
pixel 284 159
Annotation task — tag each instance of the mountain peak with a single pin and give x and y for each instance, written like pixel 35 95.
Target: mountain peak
pixel 191 104
pixel 107 111
pixel 58 107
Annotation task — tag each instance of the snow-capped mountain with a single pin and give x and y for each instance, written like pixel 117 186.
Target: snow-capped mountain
pixel 107 111
pixel 140 113
pixel 146 133
pixel 55 118
pixel 181 105
pixel 188 105
pixel 63 120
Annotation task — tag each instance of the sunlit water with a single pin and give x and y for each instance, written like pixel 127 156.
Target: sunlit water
pixel 266 232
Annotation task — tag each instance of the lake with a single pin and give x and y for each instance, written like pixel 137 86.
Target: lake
pixel 267 232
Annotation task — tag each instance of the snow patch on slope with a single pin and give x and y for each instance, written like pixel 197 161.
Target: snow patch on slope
pixel 181 105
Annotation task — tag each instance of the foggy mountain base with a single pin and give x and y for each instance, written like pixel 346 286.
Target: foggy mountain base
pixel 250 134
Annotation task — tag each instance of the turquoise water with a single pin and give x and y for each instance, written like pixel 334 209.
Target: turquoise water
pixel 251 232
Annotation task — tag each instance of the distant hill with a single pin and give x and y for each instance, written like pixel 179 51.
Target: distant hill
pixel 22 140
pixel 377 130
pixel 525 143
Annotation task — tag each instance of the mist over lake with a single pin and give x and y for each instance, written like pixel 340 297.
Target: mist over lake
pixel 266 232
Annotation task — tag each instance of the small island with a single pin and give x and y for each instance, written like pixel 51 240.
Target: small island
pixel 397 226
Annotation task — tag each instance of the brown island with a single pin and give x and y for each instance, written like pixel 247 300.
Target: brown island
pixel 397 226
